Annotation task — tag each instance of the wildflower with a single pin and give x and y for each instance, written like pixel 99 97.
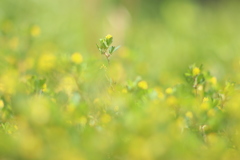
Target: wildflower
pixel 195 71
pixel 143 85
pixel 44 87
pixel 108 36
pixel 76 58
pixel 35 31
pixel 205 99
pixel 124 90
pixel 1 104
pixel 16 127
pixel 169 90
pixel 213 80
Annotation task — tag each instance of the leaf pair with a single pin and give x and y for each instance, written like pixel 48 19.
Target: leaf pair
pixel 105 46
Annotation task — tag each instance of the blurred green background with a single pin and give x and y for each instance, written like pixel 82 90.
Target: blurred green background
pixel 157 36
pixel 159 39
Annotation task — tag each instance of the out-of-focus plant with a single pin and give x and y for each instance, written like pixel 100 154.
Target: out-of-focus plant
pixel 105 47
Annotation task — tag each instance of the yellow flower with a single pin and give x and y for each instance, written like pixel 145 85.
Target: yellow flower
pixel 76 58
pixel 108 36
pixel 143 85
pixel 169 90
pixel 1 104
pixel 44 87
pixel 195 71
pixel 35 31
pixel 124 90
pixel 205 99
pixel 213 80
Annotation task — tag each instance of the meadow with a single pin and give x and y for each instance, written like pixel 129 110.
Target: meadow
pixel 168 89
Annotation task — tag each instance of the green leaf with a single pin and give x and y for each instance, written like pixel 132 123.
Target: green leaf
pixel 111 49
pixel 109 41
pixel 103 44
pixel 98 47
pixel 116 48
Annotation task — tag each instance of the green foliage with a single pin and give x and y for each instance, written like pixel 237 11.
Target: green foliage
pixel 105 46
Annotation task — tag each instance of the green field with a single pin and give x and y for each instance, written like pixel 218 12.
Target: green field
pixel 170 92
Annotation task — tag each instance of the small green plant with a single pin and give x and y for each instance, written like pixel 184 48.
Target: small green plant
pixel 105 46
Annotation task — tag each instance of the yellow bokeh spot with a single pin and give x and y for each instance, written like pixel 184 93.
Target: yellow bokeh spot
pixel 1 104
pixel 108 36
pixel 106 118
pixel 143 85
pixel 189 115
pixel 171 100
pixel 70 108
pixel 39 112
pixel 47 61
pixel 169 90
pixel 77 58
pixel 8 81
pixel 196 71
pixel 205 99
pixel 68 84
pixel 44 87
pixel 213 80
pixel 204 106
pixel 16 127
pixel 35 31
pixel 124 90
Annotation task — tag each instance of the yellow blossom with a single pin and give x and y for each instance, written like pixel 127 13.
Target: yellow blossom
pixel 108 36
pixel 1 104
pixel 205 99
pixel 195 71
pixel 44 87
pixel 124 90
pixel 204 106
pixel 35 31
pixel 213 80
pixel 76 58
pixel 16 127
pixel 169 90
pixel 143 85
